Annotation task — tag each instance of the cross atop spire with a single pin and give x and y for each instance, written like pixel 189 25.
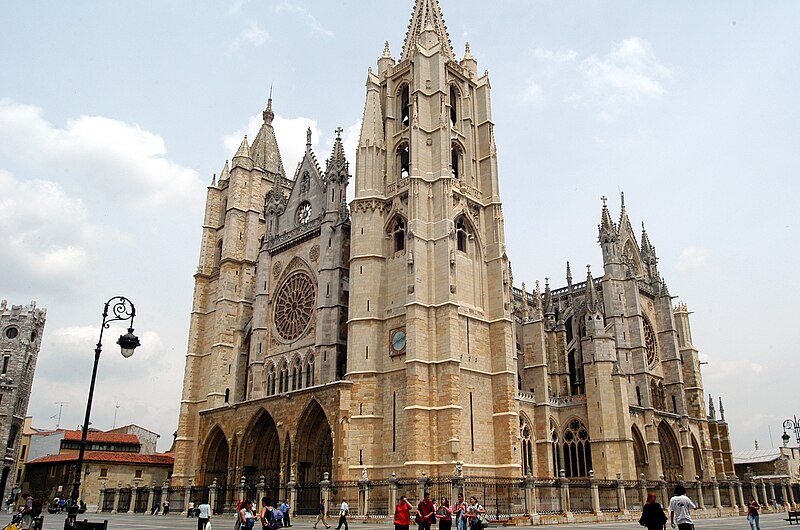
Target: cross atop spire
pixel 427 15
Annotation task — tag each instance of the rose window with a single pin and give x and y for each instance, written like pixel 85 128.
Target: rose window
pixel 294 305
pixel 650 344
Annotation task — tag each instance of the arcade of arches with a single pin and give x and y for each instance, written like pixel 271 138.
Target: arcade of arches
pixel 281 447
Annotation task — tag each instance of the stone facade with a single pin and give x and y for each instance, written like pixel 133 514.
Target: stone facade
pixel 387 338
pixel 21 329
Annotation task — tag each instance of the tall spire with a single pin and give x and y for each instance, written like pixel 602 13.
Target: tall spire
pixel 607 228
pixel 647 248
pixel 337 159
pixel 265 152
pixel 427 15
pixel 592 302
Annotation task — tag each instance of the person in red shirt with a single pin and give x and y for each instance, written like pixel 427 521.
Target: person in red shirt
pixel 402 514
pixel 426 511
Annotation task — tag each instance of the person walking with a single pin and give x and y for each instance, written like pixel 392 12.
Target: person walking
pixel 402 514
pixel 344 511
pixel 286 509
pixel 679 510
pixel 26 509
pixel 444 514
pixel 203 515
pixel 459 511
pixel 426 511
pixel 752 513
pixel 321 515
pixel 653 517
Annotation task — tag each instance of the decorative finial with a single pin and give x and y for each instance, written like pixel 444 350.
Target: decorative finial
pixel 569 274
pixel 604 199
pixel 622 198
pixel 308 138
pixel 588 269
pixel 467 54
pixel 339 132
pixel 386 51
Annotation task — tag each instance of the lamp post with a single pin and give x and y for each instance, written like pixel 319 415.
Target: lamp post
pixel 121 309
pixel 791 424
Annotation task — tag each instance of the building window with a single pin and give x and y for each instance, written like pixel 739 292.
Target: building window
pixel 403 160
pixel 53 472
pixel 12 436
pixel 103 472
pixel 650 343
pixel 405 106
pixel 399 235
pixel 462 234
pixel 454 98
pixel 577 450
pixel 19 476
pixel 218 255
pixel 271 380
pixel 310 371
pixel 12 332
pixel 455 161
pixel 22 452
pixel 6 359
pixel 138 473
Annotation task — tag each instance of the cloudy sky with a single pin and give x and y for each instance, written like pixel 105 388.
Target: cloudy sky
pixel 114 116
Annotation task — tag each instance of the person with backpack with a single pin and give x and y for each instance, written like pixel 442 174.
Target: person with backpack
pixel 26 509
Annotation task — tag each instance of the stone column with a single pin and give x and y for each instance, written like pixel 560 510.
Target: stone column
pixel 772 493
pixel 422 485
pixel 664 493
pixel 732 496
pixel 642 488
pixel 325 489
pixel 717 498
pixel 563 483
pixel 792 501
pixel 786 505
pixel 102 498
pixel 242 489
pixel 530 496
pixel 187 497
pixel 116 498
pixel 755 493
pixel 212 495
pixel 165 491
pixel 595 493
pixel 742 502
pixel 291 493
pixel 456 482
pixel 392 493
pixel 764 493
pixel 150 495
pixel 621 499
pixel 363 490
pixel 134 496
pixel 701 503
pixel 260 490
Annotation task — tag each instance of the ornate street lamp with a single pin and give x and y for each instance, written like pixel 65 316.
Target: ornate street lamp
pixel 791 423
pixel 121 309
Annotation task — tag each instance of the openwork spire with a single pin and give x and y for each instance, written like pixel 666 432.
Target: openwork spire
pixel 427 15
pixel 592 302
pixel 337 160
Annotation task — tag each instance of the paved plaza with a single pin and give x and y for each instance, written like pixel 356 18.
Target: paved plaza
pixel 225 522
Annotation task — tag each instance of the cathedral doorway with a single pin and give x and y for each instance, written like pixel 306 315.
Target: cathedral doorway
pixel 261 452
pixel 314 444
pixel 216 464
pixel 670 452
pixel 639 452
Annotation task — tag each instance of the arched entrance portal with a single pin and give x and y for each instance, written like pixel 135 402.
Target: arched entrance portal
pixel 670 452
pixel 314 443
pixel 216 465
pixel 261 453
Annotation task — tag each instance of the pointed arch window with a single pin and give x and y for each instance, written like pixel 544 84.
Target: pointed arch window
pixel 456 157
pixel 399 234
pixel 297 375
pixel 405 106
pixel 271 380
pixel 554 442
pixel 577 450
pixel 454 100
pixel 283 379
pixel 463 234
pixel 310 371
pixel 526 437
pixel 403 160
pixel 218 255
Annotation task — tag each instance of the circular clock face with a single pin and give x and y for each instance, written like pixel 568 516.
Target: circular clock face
pixel 304 213
pixel 398 341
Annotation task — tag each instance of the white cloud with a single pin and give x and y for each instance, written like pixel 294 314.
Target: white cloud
pixel 693 259
pixel 315 27
pixel 629 70
pixel 46 235
pixel 533 92
pixel 105 155
pixel 252 34
pixel 555 56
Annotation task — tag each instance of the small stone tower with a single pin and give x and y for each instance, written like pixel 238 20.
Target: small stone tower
pixel 21 329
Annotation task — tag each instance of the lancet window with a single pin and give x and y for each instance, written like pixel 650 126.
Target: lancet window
pixel 577 451
pixel 405 106
pixel 310 371
pixel 462 234
pixel 403 160
pixel 454 99
pixel 455 161
pixel 399 234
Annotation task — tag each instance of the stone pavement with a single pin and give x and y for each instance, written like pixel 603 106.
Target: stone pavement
pixel 225 522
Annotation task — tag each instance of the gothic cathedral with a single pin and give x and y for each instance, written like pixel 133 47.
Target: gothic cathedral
pixel 385 336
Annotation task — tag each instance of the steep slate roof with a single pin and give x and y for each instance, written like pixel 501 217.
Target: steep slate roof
pixel 158 459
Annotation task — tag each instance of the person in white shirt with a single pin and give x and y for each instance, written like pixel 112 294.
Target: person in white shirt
pixel 344 511
pixel 203 515
pixel 679 507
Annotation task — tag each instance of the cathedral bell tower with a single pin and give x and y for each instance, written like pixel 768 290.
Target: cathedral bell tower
pixel 431 349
